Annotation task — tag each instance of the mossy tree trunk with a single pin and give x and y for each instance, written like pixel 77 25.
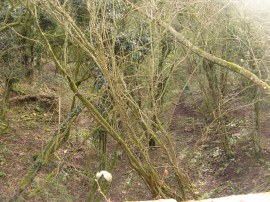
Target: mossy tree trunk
pixel 8 89
pixel 217 85
pixel 257 128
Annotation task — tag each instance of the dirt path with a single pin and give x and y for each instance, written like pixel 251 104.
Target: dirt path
pixel 208 168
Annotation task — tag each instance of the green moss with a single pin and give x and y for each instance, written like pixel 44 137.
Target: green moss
pixel 18 88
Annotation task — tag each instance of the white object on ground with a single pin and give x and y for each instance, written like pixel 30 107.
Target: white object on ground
pixel 105 174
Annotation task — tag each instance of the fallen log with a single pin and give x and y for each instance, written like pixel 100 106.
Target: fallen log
pixel 46 101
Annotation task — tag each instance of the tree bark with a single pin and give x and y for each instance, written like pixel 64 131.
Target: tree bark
pixel 200 52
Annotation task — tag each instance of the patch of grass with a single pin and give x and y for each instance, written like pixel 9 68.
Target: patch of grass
pixel 128 182
pixel 2 174
pixel 32 124
pixel 4 148
pixel 2 159
pixel 238 171
pixel 4 127
pixel 218 190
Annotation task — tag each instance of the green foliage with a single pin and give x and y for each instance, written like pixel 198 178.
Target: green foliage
pixel 10 59
pixel 3 126
pixel 47 23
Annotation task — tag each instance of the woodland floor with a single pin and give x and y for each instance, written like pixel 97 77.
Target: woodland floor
pixel 31 125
